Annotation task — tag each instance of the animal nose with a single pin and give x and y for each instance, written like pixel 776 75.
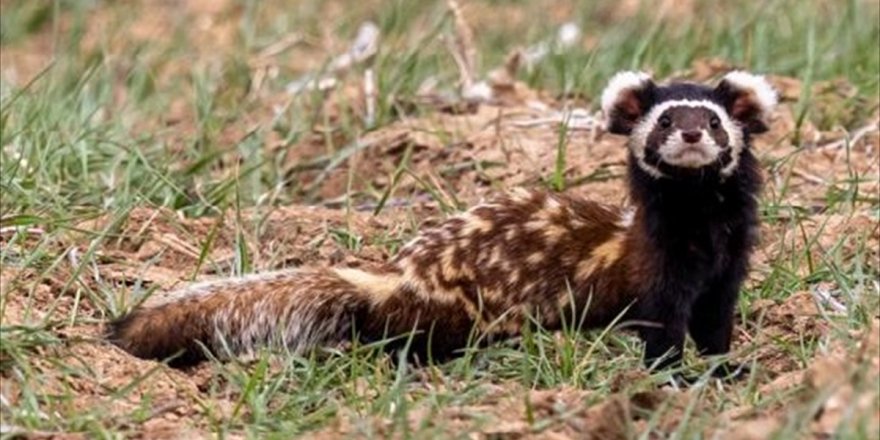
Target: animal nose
pixel 692 136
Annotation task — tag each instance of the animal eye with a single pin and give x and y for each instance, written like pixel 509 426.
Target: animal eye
pixel 665 122
pixel 715 122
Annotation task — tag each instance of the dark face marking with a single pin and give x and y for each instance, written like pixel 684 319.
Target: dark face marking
pixel 690 121
pixel 687 137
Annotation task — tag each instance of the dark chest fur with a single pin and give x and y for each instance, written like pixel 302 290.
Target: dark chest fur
pixel 695 231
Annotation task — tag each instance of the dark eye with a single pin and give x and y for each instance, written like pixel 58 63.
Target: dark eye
pixel 665 122
pixel 715 123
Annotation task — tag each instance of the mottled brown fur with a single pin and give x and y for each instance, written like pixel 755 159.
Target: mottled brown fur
pixel 488 270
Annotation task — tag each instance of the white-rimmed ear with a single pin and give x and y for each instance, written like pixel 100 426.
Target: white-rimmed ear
pixel 748 98
pixel 626 99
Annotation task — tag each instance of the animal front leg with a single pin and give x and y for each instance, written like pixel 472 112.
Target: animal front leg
pixel 663 346
pixel 664 339
pixel 711 324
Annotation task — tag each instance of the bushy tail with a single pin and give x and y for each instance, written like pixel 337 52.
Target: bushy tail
pixel 297 309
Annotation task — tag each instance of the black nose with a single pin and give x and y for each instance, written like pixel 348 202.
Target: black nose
pixel 692 136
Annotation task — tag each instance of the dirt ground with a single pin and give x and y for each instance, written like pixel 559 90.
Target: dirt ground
pixel 465 154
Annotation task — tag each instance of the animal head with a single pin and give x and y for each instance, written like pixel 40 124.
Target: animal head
pixel 680 127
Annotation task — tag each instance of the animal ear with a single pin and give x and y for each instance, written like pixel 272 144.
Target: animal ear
pixel 748 98
pixel 626 99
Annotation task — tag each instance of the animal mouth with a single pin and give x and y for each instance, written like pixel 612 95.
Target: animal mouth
pixel 691 156
pixel 690 152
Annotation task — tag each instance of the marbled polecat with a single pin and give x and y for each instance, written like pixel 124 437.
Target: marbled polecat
pixel 674 262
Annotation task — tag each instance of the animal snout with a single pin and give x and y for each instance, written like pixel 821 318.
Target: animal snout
pixel 692 136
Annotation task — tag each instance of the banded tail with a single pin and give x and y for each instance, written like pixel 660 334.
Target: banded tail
pixel 296 309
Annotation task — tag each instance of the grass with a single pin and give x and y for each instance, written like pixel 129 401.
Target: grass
pixel 130 109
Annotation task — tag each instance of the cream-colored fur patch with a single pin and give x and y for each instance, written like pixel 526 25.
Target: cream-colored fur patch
pixel 379 287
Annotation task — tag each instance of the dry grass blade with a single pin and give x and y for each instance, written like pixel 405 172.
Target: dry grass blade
pixel 462 46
